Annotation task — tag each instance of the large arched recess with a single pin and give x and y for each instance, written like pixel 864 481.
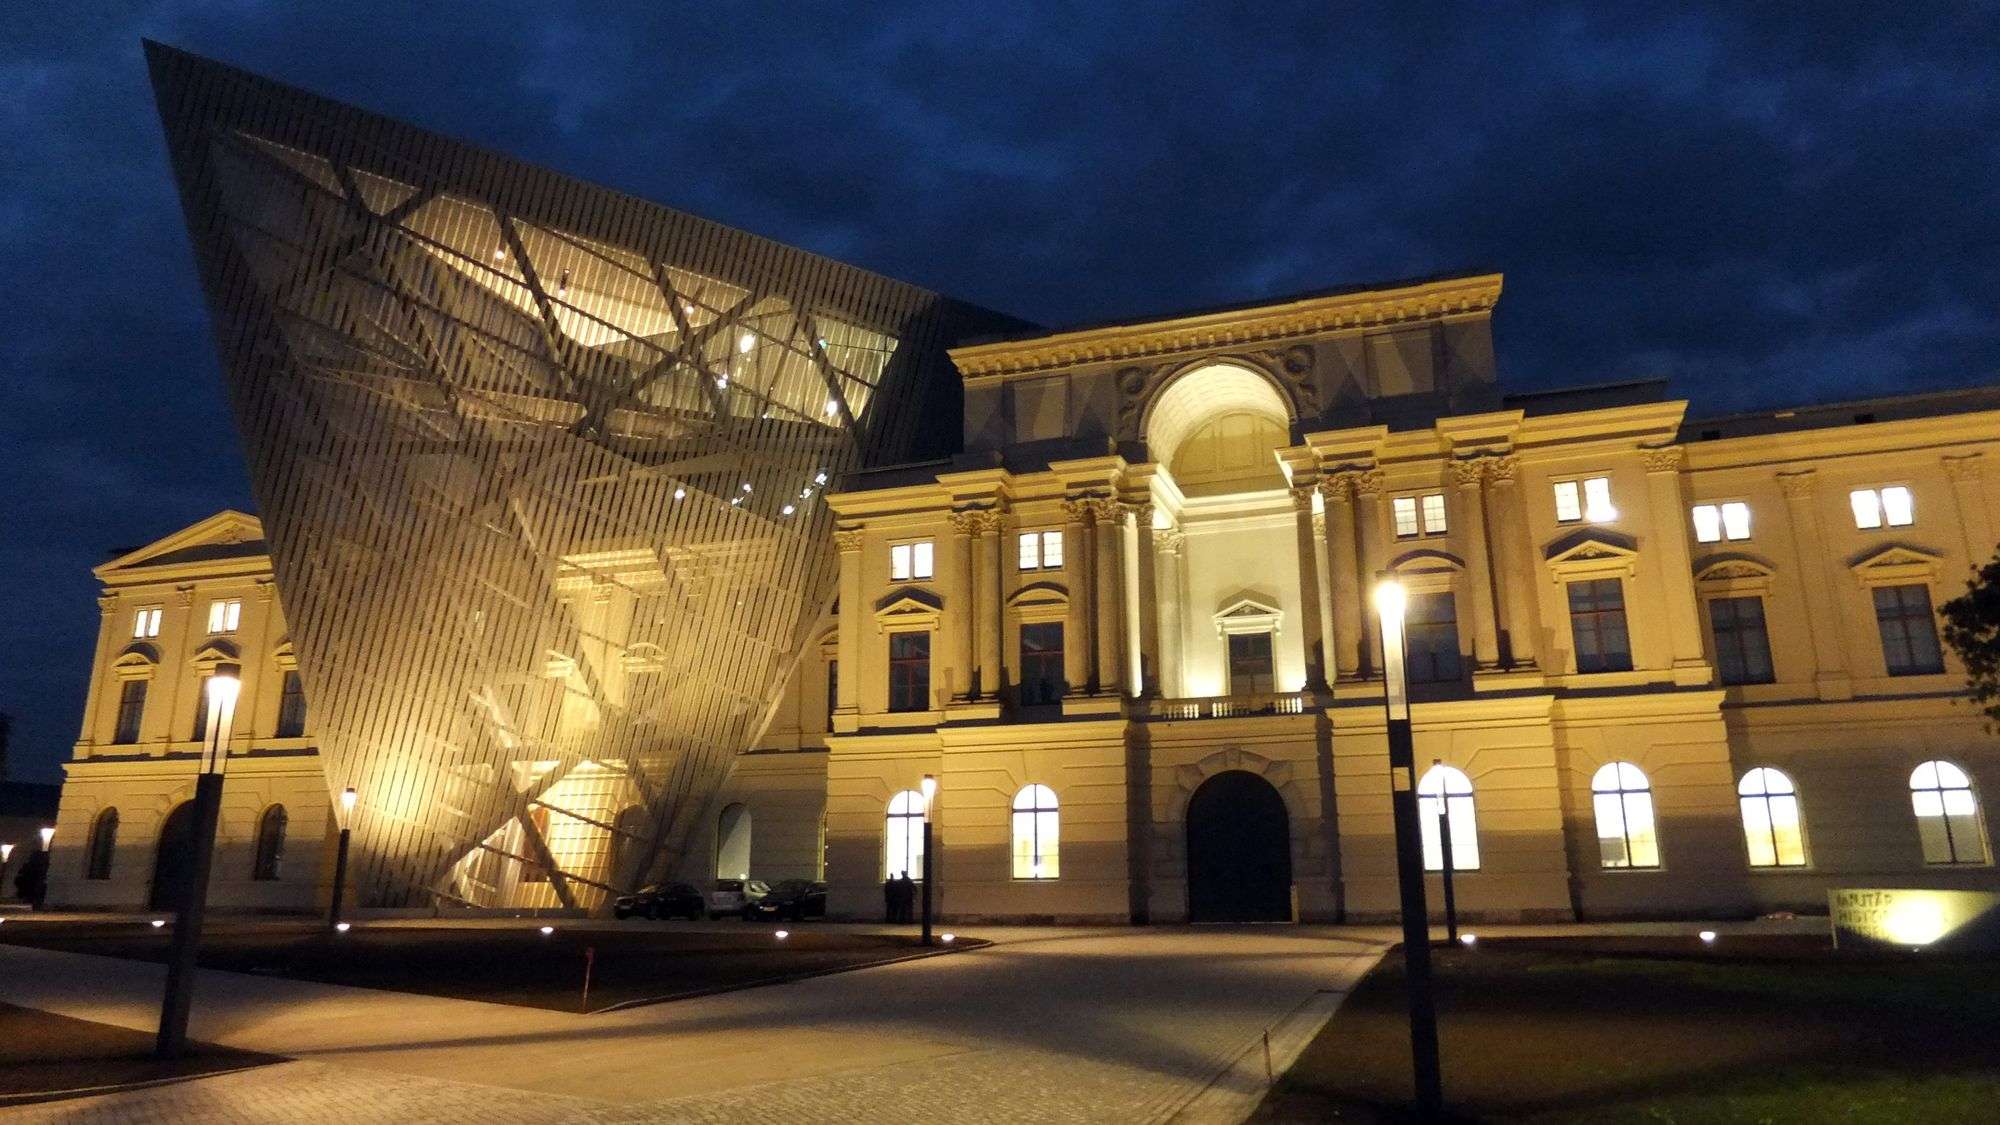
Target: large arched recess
pixel 1203 393
pixel 1239 851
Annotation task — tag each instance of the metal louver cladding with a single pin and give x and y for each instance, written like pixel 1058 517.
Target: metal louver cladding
pixel 541 467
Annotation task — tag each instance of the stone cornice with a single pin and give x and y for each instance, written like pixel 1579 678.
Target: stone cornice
pixel 1290 319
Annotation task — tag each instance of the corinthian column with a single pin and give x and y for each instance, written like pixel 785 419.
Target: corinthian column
pixel 987 603
pixel 1471 536
pixel 851 612
pixel 1079 640
pixel 1146 643
pixel 1513 559
pixel 1109 572
pixel 1822 615
pixel 1374 542
pixel 1343 574
pixel 1172 542
pixel 1669 508
pixel 1309 615
pixel 1973 519
pixel 965 528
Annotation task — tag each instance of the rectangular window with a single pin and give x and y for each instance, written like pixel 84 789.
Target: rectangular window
pixel 1893 506
pixel 1742 647
pixel 225 616
pixel 1909 630
pixel 292 707
pixel 146 622
pixel 909 671
pixel 1041 550
pixel 1041 663
pixel 1250 664
pixel 1405 510
pixel 1434 514
pixel 832 690
pixel 1430 632
pixel 1586 499
pixel 131 709
pixel 1597 623
pixel 910 561
pixel 1716 522
pixel 1418 515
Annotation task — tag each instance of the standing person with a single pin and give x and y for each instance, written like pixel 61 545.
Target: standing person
pixel 889 899
pixel 907 897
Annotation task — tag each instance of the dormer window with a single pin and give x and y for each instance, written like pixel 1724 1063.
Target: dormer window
pixel 1419 515
pixel 146 622
pixel 1893 506
pixel 911 561
pixel 1588 499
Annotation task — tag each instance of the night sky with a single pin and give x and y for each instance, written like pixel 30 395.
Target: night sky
pixel 1763 211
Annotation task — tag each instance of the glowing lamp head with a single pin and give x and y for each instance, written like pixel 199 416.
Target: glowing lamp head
pixel 782 934
pixel 1391 601
pixel 159 922
pixel 1707 937
pixel 47 834
pixel 348 799
pixel 6 852
pixel 547 930
pixel 224 683
pixel 343 927
pixel 929 786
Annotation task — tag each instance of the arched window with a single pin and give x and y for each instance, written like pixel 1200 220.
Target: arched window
pixel 1771 823
pixel 270 843
pixel 1623 800
pixel 903 849
pixel 1947 814
pixel 1035 833
pixel 103 845
pixel 1445 790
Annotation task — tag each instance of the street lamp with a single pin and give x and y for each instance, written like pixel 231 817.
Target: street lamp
pixel 348 797
pixel 220 694
pixel 1391 602
pixel 930 792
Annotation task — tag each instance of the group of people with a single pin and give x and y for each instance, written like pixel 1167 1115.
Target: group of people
pixel 899 898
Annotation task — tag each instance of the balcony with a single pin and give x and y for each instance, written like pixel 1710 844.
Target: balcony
pixel 1226 706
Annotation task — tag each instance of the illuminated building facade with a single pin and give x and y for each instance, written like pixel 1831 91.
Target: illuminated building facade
pixel 610 550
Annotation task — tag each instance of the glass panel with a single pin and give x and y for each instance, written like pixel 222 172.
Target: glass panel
pixel 1434 520
pixel 1030 556
pixel 1597 500
pixel 1898 507
pixel 1569 503
pixel 1757 832
pixel 1639 830
pixel 1610 830
pixel 899 562
pixel 920 564
pixel 1788 831
pixel 1736 520
pixel 1052 550
pixel 1405 508
pixel 1867 508
pixel 1707 523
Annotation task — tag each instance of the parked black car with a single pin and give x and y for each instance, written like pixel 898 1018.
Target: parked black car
pixel 794 899
pixel 661 900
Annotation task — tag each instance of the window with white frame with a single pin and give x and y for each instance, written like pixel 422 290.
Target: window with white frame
pixel 1586 499
pixel 1035 833
pixel 146 622
pixel 903 836
pixel 1947 814
pixel 1715 522
pixel 1622 799
pixel 1893 506
pixel 1772 827
pixel 911 561
pixel 1418 515
pixel 1041 550
pixel 1444 796
pixel 225 616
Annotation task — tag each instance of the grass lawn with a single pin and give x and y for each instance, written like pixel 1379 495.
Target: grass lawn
pixel 42 1053
pixel 511 965
pixel 1758 1029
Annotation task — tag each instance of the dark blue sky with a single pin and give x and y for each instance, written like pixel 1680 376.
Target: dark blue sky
pixel 1764 210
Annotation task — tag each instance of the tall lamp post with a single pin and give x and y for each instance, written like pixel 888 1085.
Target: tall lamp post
pixel 1391 601
pixel 223 685
pixel 348 797
pixel 1443 800
pixel 930 792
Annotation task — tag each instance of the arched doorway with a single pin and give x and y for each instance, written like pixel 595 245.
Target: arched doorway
pixel 1239 853
pixel 732 843
pixel 173 860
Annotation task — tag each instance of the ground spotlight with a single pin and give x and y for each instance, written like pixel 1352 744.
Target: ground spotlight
pixel 1467 940
pixel 547 930
pixel 782 934
pixel 1707 936
pixel 158 922
pixel 343 927
pixel 947 938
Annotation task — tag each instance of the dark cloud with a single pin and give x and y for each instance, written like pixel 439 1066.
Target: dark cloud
pixel 1764 203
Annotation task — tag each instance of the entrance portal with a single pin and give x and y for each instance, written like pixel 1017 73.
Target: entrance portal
pixel 1239 854
pixel 173 862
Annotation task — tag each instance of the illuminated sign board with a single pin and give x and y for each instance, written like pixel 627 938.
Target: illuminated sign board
pixel 1914 919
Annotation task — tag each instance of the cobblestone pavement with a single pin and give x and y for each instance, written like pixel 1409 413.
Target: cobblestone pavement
pixel 1046 1025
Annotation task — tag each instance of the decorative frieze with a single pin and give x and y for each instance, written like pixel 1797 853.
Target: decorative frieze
pixel 1663 458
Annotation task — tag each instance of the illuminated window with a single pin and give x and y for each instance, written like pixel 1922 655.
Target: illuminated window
pixel 291 707
pixel 225 616
pixel 1418 515
pixel 1623 802
pixel 903 838
pixel 1771 824
pixel 103 845
pixel 1597 624
pixel 1586 499
pixel 909 671
pixel 1250 664
pixel 146 622
pixel 1041 669
pixel 1893 506
pixel 1716 522
pixel 270 854
pixel 1041 550
pixel 1446 791
pixel 1909 630
pixel 1035 832
pixel 1742 647
pixel 910 561
pixel 1947 814
pixel 131 709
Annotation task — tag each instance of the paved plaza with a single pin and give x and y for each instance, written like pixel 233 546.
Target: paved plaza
pixel 1045 1025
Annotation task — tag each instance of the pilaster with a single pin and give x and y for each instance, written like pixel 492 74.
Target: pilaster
pixel 1343 574
pixel 1668 504
pixel 1079 636
pixel 1469 475
pixel 1514 560
pixel 1309 610
pixel 1966 473
pixel 1373 535
pixel 1108 573
pixel 1815 578
pixel 1146 644
pixel 847 709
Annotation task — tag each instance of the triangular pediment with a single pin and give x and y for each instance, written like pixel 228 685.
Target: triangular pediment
pixel 1248 608
pixel 1895 555
pixel 1731 568
pixel 1591 545
pixel 214 651
pixel 910 601
pixel 224 536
